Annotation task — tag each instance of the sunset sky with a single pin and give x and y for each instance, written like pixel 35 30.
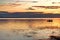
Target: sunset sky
pixel 23 5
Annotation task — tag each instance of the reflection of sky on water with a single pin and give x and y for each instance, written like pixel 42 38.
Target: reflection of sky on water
pixel 24 34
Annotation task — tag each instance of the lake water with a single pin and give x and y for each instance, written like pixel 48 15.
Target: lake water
pixel 27 34
pixel 20 30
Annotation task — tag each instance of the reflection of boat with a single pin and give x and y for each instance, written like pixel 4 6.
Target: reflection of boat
pixel 47 7
pixel 55 37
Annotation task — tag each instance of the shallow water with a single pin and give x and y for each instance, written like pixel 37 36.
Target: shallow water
pixel 22 30
pixel 28 34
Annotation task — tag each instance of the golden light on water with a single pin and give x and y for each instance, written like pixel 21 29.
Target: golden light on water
pixel 27 24
pixel 23 28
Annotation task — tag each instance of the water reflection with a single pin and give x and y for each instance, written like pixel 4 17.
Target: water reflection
pixel 20 30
